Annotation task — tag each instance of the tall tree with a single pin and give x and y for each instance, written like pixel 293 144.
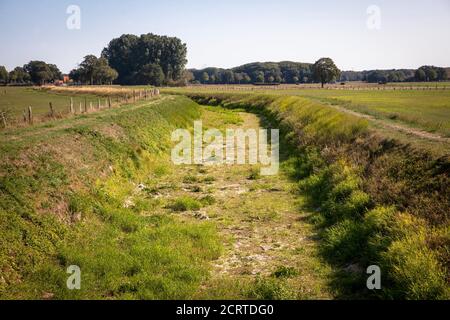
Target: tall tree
pixel 204 78
pixel 103 73
pixel 325 71
pixel 129 54
pixel 4 75
pixel 19 75
pixel 94 70
pixel 150 74
pixel 88 68
pixel 41 72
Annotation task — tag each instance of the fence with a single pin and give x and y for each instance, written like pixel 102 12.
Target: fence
pixel 105 102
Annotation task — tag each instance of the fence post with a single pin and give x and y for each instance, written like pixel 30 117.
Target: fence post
pixel 4 120
pixel 71 106
pixel 134 95
pixel 109 102
pixel 98 104
pixel 85 105
pixel 90 106
pixel 52 112
pixel 24 114
pixel 30 115
pixel 81 107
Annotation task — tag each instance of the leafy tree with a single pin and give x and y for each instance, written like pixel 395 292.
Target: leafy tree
pixel 205 77
pixel 4 76
pixel 259 76
pixel 430 73
pixel 19 75
pixel 41 72
pixel 151 74
pixel 103 73
pixel 94 70
pixel 325 71
pixel 421 75
pixel 88 68
pixel 228 77
pixel 119 54
pixel 55 72
pixel 129 54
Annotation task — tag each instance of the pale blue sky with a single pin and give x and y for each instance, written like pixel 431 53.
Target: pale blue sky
pixel 233 32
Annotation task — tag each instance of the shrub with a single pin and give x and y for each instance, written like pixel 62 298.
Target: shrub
pixel 345 242
pixel 415 270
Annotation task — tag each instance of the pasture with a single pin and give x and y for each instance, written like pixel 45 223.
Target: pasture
pixel 17 99
pixel 426 110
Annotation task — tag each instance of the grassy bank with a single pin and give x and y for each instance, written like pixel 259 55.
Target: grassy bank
pixel 378 201
pixel 65 200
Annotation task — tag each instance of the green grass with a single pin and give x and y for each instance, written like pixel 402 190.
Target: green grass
pixel 62 196
pixel 17 99
pixel 426 110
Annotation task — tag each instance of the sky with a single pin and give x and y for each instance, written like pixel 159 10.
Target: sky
pixel 357 34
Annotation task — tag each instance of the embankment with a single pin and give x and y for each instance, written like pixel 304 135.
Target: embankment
pixel 63 201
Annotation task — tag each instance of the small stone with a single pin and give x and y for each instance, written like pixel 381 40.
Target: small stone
pixel 48 295
pixel 128 204
pixel 76 217
pixel 201 216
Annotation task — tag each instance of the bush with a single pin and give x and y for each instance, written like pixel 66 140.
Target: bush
pixel 415 270
pixel 345 242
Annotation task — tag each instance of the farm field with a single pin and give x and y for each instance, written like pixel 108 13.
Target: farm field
pixel 14 100
pixel 18 99
pixel 427 110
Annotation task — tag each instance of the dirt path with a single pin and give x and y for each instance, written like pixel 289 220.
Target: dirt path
pixel 269 250
pixel 394 126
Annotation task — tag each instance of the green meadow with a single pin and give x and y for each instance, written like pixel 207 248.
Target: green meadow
pixel 427 110
pixel 17 99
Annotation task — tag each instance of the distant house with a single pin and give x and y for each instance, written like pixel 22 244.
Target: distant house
pixel 66 78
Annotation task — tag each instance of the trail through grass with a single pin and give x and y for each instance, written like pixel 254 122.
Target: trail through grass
pixel 270 251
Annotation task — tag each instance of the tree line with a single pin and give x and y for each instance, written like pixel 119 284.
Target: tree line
pixel 424 73
pixel 268 72
pixel 295 73
pixel 34 72
pixel 151 59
